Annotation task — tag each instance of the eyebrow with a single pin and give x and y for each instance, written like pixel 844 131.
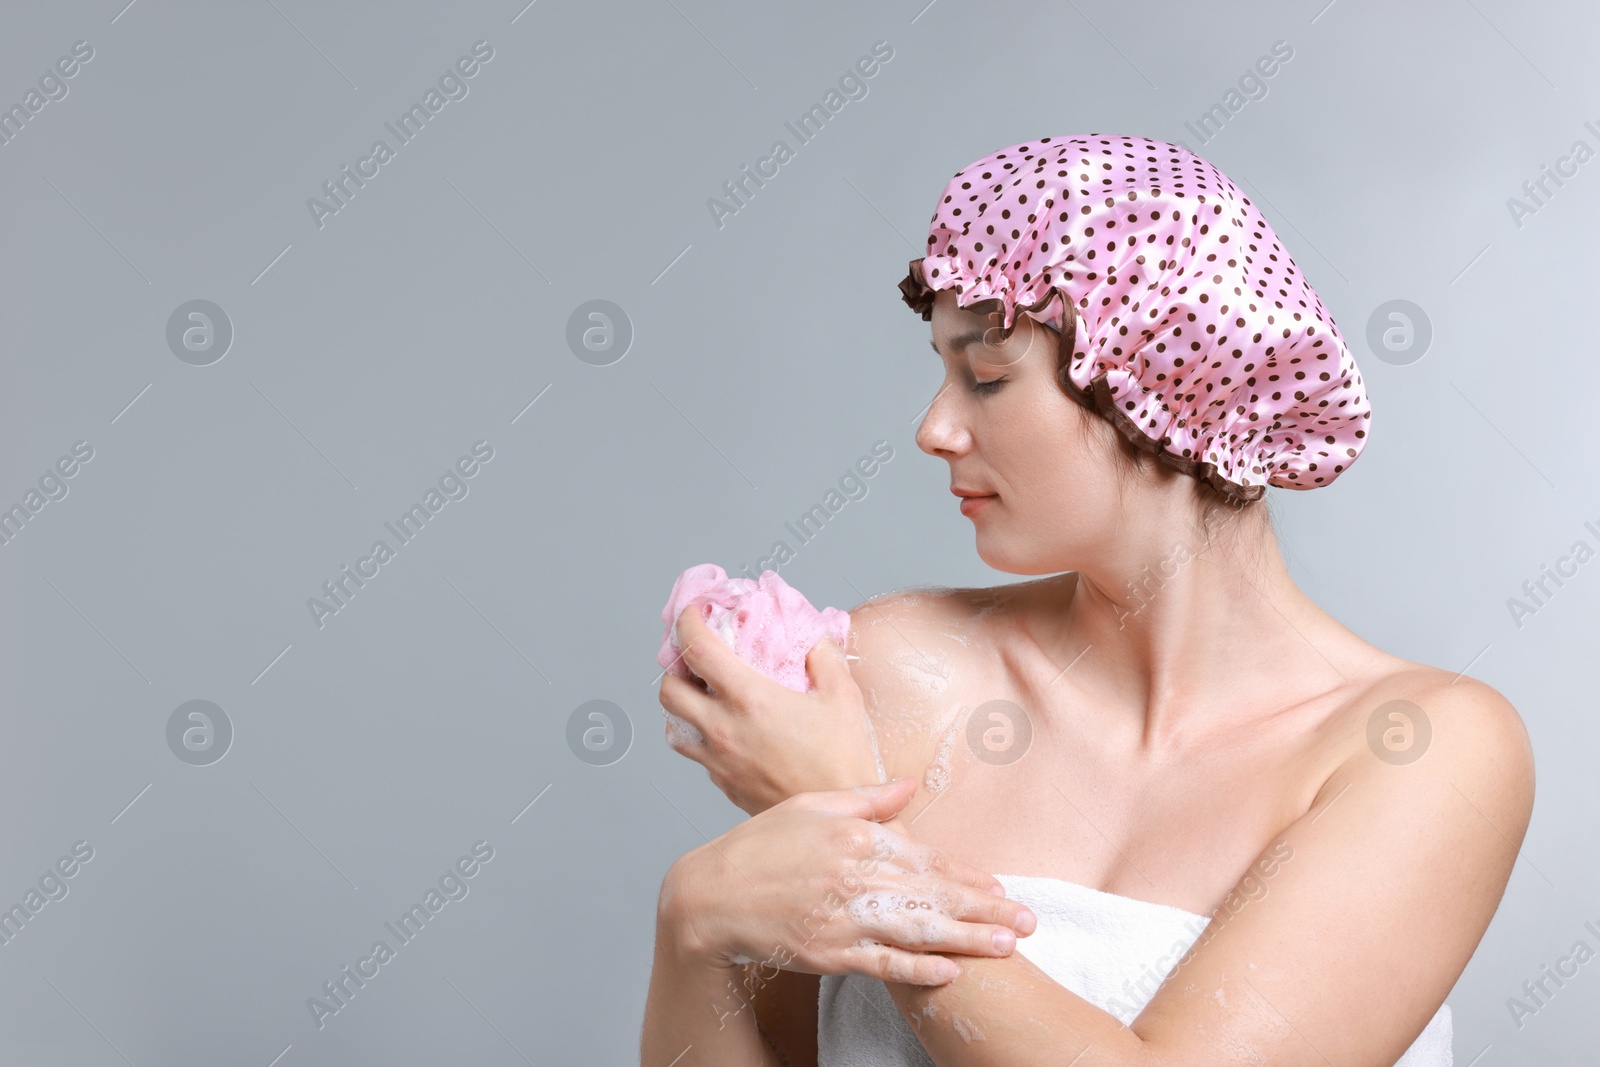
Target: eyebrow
pixel 962 340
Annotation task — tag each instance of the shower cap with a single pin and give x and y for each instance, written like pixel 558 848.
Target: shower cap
pixel 1182 320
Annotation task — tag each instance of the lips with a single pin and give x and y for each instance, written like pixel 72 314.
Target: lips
pixel 971 505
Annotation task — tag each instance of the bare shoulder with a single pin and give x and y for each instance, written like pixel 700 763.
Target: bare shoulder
pixel 1396 870
pixel 912 646
pixel 911 634
pixel 1451 731
pixel 923 607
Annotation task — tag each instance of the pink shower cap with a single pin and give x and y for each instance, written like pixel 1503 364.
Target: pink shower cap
pixel 1190 328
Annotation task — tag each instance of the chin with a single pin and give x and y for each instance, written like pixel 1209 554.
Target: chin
pixel 1012 562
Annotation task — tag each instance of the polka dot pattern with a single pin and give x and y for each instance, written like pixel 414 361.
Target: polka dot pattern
pixel 1183 320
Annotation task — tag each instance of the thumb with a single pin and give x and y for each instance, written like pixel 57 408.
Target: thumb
pixel 827 666
pixel 874 802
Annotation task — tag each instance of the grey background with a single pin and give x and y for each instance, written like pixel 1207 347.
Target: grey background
pixel 769 354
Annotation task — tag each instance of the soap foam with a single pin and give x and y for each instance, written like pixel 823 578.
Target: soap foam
pixel 966 1028
pixel 681 731
pixel 937 776
pixel 877 757
pixel 890 845
pixel 929 673
pixel 908 919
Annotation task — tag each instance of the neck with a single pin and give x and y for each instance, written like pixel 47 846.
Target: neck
pixel 1175 636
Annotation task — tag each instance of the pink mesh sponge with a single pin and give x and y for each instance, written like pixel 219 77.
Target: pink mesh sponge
pixel 769 624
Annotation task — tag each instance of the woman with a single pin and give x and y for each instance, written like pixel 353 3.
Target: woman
pixel 1238 832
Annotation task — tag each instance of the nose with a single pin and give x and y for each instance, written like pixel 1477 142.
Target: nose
pixel 941 433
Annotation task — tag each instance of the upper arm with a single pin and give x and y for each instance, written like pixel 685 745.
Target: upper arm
pixel 1341 942
pixel 884 633
pixel 903 666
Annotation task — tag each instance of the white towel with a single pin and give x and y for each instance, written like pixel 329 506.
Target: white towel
pixel 1110 950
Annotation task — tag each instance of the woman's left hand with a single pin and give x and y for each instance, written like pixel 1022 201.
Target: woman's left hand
pixel 764 742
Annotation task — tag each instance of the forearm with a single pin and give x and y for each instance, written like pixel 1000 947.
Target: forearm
pixel 1006 1012
pixel 699 1008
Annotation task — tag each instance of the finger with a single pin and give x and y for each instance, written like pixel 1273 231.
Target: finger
pixel 874 802
pixel 924 859
pixel 681 741
pixel 708 655
pixel 925 920
pixel 827 667
pixel 687 701
pixel 890 964
pixel 977 906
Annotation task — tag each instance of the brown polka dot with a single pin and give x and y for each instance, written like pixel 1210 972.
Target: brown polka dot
pixel 1227 275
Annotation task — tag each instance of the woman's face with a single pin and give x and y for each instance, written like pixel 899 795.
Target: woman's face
pixel 1007 429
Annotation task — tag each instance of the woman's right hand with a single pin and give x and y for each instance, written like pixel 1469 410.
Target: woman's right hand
pixel 815 884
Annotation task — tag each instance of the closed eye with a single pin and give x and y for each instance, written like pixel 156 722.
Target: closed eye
pixel 988 387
